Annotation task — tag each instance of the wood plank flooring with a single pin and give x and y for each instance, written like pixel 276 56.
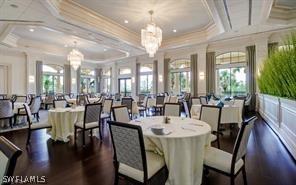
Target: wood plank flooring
pixel 268 162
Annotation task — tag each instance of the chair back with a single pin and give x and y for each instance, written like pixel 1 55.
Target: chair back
pixel 142 98
pixel 9 154
pixel 128 102
pixel 35 104
pixel 3 96
pixel 6 110
pixel 160 100
pixel 86 100
pixel 203 100
pixel 173 99
pixel 248 100
pixel 241 143
pixel 29 114
pixel 107 106
pixel 211 115
pixel 67 97
pixel 128 145
pixel 195 101
pixel 172 109
pixel 120 113
pixel 49 99
pixel 241 104
pixel 21 99
pixel 92 113
pixel 59 103
pixel 186 109
pixel 117 96
pixel 80 99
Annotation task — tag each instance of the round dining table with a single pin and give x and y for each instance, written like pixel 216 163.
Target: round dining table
pixel 63 120
pixel 182 146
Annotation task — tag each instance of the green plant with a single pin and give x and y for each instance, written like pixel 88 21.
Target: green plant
pixel 278 74
pixel 46 85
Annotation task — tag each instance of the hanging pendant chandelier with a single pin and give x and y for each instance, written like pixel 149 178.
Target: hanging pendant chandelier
pixel 151 37
pixel 75 57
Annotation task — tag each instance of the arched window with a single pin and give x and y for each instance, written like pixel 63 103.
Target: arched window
pixel 180 77
pixel 87 81
pixel 231 74
pixel 53 79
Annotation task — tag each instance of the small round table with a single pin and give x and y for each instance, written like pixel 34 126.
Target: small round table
pixel 183 147
pixel 63 120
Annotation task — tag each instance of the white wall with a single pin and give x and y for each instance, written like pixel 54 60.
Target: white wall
pixel 17 70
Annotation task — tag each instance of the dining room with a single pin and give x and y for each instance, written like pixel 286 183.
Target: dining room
pixel 148 92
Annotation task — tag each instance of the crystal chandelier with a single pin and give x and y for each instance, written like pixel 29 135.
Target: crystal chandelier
pixel 75 57
pixel 151 37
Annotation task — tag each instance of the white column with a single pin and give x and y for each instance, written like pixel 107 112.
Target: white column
pixel 201 54
pixel 160 66
pixel 73 81
pixel 114 79
pixel 31 73
pixel 134 69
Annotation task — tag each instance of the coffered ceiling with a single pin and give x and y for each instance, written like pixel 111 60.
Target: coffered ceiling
pixel 101 32
pixel 184 16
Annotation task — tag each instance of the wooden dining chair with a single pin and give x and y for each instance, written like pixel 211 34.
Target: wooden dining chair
pixel 34 126
pixel 231 164
pixel 131 161
pixel 9 153
pixel 121 114
pixel 203 100
pixel 172 109
pixel 92 120
pixel 6 111
pixel 61 103
pixel 107 109
pixel 186 109
pixel 212 115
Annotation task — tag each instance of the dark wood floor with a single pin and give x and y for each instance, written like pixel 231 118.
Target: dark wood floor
pixel 268 162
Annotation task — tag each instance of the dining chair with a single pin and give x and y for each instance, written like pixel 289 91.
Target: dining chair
pixel 241 104
pixel 121 114
pixel 3 96
pixel 128 102
pixel 131 161
pixel 141 99
pixel 59 103
pixel 86 99
pixel 159 104
pixel 173 99
pixel 80 99
pixel 34 106
pixel 92 120
pixel 49 101
pixel 186 109
pixel 21 99
pixel 203 100
pixel 9 153
pixel 172 109
pixel 107 106
pixel 34 126
pixel 6 111
pixel 143 106
pixel 231 164
pixel 195 101
pixel 212 115
pixel 117 96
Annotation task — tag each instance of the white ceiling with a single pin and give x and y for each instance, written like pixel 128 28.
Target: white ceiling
pixel 183 15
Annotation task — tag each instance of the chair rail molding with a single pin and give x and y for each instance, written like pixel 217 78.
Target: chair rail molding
pixel 280 115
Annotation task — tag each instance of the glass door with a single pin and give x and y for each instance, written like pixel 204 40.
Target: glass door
pixel 125 86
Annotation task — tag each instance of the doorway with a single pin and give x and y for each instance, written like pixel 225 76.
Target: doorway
pixel 125 86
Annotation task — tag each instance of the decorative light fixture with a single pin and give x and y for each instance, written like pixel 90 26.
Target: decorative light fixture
pixel 151 37
pixel 75 57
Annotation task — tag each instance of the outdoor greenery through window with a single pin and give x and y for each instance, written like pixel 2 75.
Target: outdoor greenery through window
pixel 87 81
pixel 180 77
pixel 231 74
pixel 53 79
pixel 146 78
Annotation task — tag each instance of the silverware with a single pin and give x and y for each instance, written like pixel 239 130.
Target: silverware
pixel 196 124
pixel 188 129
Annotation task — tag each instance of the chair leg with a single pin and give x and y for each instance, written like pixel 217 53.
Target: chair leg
pixel 10 122
pixel 100 131
pixel 244 175
pixel 29 137
pixel 38 117
pixel 83 137
pixel 14 121
pixel 232 178
pixel 75 135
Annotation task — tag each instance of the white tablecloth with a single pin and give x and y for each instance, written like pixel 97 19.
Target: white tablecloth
pixel 63 120
pixel 183 149
pixel 229 114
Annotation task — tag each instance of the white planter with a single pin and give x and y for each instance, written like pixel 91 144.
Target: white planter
pixel 280 114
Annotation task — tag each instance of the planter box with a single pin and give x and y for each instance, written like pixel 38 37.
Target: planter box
pixel 280 114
